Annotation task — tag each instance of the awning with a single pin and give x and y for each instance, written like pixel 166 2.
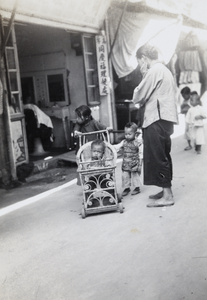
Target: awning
pixel 192 9
pixel 157 21
pixel 135 30
pixel 75 15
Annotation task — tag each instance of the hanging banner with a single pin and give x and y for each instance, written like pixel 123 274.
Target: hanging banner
pixel 102 64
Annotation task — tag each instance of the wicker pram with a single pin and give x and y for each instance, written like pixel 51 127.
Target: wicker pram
pixel 98 178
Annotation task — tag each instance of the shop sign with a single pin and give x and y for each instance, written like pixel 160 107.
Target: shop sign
pixel 102 64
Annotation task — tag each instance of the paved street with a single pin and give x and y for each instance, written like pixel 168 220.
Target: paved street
pixel 48 252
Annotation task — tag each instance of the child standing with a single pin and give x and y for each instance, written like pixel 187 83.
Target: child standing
pixel 132 159
pixel 194 120
pixel 85 123
pixel 185 92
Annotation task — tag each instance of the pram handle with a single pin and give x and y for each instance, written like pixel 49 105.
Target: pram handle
pixel 107 138
pixel 92 132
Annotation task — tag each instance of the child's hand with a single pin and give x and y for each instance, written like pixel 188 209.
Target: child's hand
pixel 140 167
pixel 187 126
pixel 198 118
pixel 139 170
pixel 77 133
pixel 109 128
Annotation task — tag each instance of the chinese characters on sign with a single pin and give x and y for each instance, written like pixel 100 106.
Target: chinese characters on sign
pixel 102 62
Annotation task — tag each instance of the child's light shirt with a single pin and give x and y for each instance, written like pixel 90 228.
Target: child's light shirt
pixel 193 112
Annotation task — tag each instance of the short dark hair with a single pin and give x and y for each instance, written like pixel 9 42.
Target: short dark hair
pixel 131 125
pixel 83 111
pixel 193 93
pixel 148 51
pixel 185 90
pixel 198 100
pixel 98 142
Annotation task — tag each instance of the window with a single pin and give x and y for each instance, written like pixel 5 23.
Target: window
pixel 56 88
pixel 27 88
pixel 46 88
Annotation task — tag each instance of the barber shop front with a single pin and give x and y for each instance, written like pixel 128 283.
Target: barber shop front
pixel 51 67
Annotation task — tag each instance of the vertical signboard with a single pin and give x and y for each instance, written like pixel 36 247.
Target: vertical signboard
pixel 102 64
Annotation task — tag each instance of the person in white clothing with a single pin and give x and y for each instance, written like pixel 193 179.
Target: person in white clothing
pixel 194 119
pixel 38 125
pixel 186 92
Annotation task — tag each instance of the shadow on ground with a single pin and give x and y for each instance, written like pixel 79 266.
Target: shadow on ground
pixel 39 183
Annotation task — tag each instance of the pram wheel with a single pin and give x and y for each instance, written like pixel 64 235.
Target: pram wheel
pixel 121 208
pixel 83 213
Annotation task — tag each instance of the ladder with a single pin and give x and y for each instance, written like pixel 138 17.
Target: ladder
pixel 17 121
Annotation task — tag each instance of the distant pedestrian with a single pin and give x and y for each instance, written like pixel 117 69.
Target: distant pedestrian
pixel 194 119
pixel 131 148
pixel 185 92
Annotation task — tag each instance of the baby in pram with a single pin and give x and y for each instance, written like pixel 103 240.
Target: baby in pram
pixel 99 156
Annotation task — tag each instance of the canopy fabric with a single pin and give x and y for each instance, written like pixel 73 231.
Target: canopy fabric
pixel 76 15
pixel 135 30
pixel 193 9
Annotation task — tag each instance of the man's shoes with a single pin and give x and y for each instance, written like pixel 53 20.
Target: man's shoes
pixel 162 202
pixel 126 192
pixel 188 148
pixel 136 191
pixel 156 196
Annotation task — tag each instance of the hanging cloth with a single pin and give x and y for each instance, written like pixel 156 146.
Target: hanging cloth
pixel 135 30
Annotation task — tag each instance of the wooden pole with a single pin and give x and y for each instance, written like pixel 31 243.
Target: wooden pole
pixel 112 96
pixel 6 115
